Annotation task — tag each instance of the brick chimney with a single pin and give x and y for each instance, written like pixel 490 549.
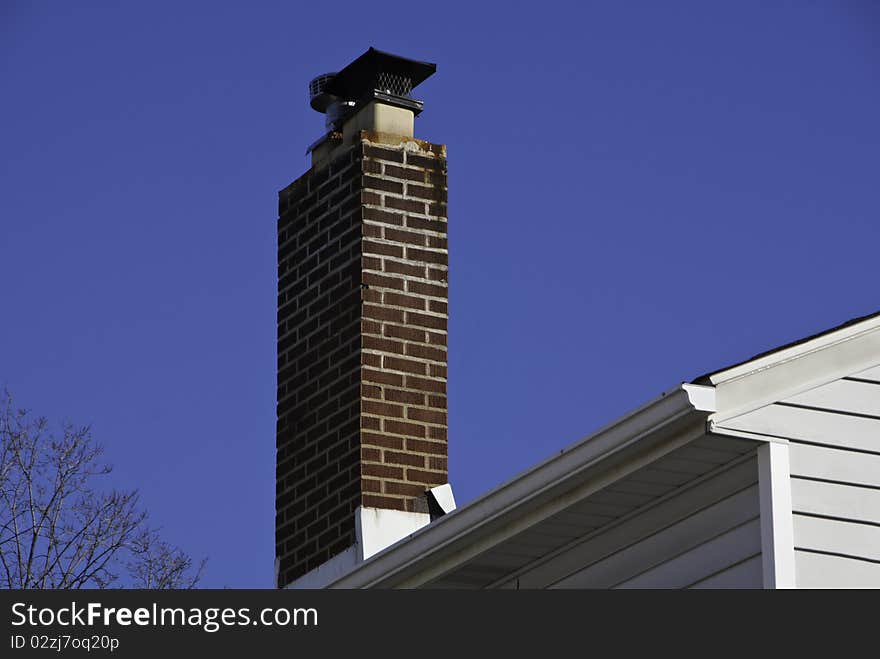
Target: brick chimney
pixel 362 320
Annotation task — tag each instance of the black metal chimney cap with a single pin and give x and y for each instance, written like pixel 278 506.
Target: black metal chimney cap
pixel 365 75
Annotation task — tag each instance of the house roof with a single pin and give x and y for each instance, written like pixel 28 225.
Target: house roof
pixel 706 377
pixel 638 460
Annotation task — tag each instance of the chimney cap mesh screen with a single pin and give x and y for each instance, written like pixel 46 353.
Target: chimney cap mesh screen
pixel 391 83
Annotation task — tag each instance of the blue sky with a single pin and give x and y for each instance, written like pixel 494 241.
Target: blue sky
pixel 639 193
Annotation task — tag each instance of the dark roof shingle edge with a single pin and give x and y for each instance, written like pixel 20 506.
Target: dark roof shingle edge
pixel 704 379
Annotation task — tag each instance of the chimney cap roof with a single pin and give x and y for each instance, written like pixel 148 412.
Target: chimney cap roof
pixel 362 77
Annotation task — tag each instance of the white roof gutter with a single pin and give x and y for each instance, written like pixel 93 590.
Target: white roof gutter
pixel 660 426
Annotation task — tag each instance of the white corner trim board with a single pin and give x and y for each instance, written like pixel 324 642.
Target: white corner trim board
pixel 777 526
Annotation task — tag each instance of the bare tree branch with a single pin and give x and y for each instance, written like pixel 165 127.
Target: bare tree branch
pixel 58 531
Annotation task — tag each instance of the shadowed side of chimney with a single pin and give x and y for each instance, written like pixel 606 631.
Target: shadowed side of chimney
pixel 362 325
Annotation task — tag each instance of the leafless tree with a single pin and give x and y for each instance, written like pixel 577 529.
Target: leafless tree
pixel 58 531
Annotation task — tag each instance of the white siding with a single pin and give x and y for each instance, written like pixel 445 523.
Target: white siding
pixel 858 504
pixel 707 533
pixel 851 396
pixel 871 374
pixel 838 537
pixel 824 571
pixel 834 435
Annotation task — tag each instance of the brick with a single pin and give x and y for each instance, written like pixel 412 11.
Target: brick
pixel 419 446
pixel 422 288
pixel 384 441
pixel 425 192
pixel 405 365
pixel 426 224
pixel 408 459
pixel 382 154
pixel 426 352
pixel 374 501
pixel 417 175
pixel 432 386
pixel 422 320
pixel 409 205
pixel 371 198
pixel 382 471
pixel 371 167
pixel 406 333
pixel 373 455
pixel 383 249
pixel 405 489
pixel 408 269
pixel 423 161
pixel 437 178
pixel 381 281
pixel 437 274
pixel 372 231
pixel 376 183
pixel 403 428
pixel 407 237
pixel 438 242
pixel 381 409
pixel 408 397
pixel 428 477
pixel 371 423
pixel 384 314
pixel 369 359
pixel 435 338
pixel 371 327
pixel 408 301
pixel 371 263
pixel 427 416
pixel 362 306
pixel 384 345
pixel 385 217
pixel 370 375
pixel 417 254
pixel 369 295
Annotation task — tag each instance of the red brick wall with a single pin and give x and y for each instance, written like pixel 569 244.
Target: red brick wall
pixel 362 313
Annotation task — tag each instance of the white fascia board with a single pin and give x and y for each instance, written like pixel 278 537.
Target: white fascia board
pixel 799 368
pixel 633 441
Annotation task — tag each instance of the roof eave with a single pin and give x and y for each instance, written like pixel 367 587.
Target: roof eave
pixel 796 368
pixel 685 406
